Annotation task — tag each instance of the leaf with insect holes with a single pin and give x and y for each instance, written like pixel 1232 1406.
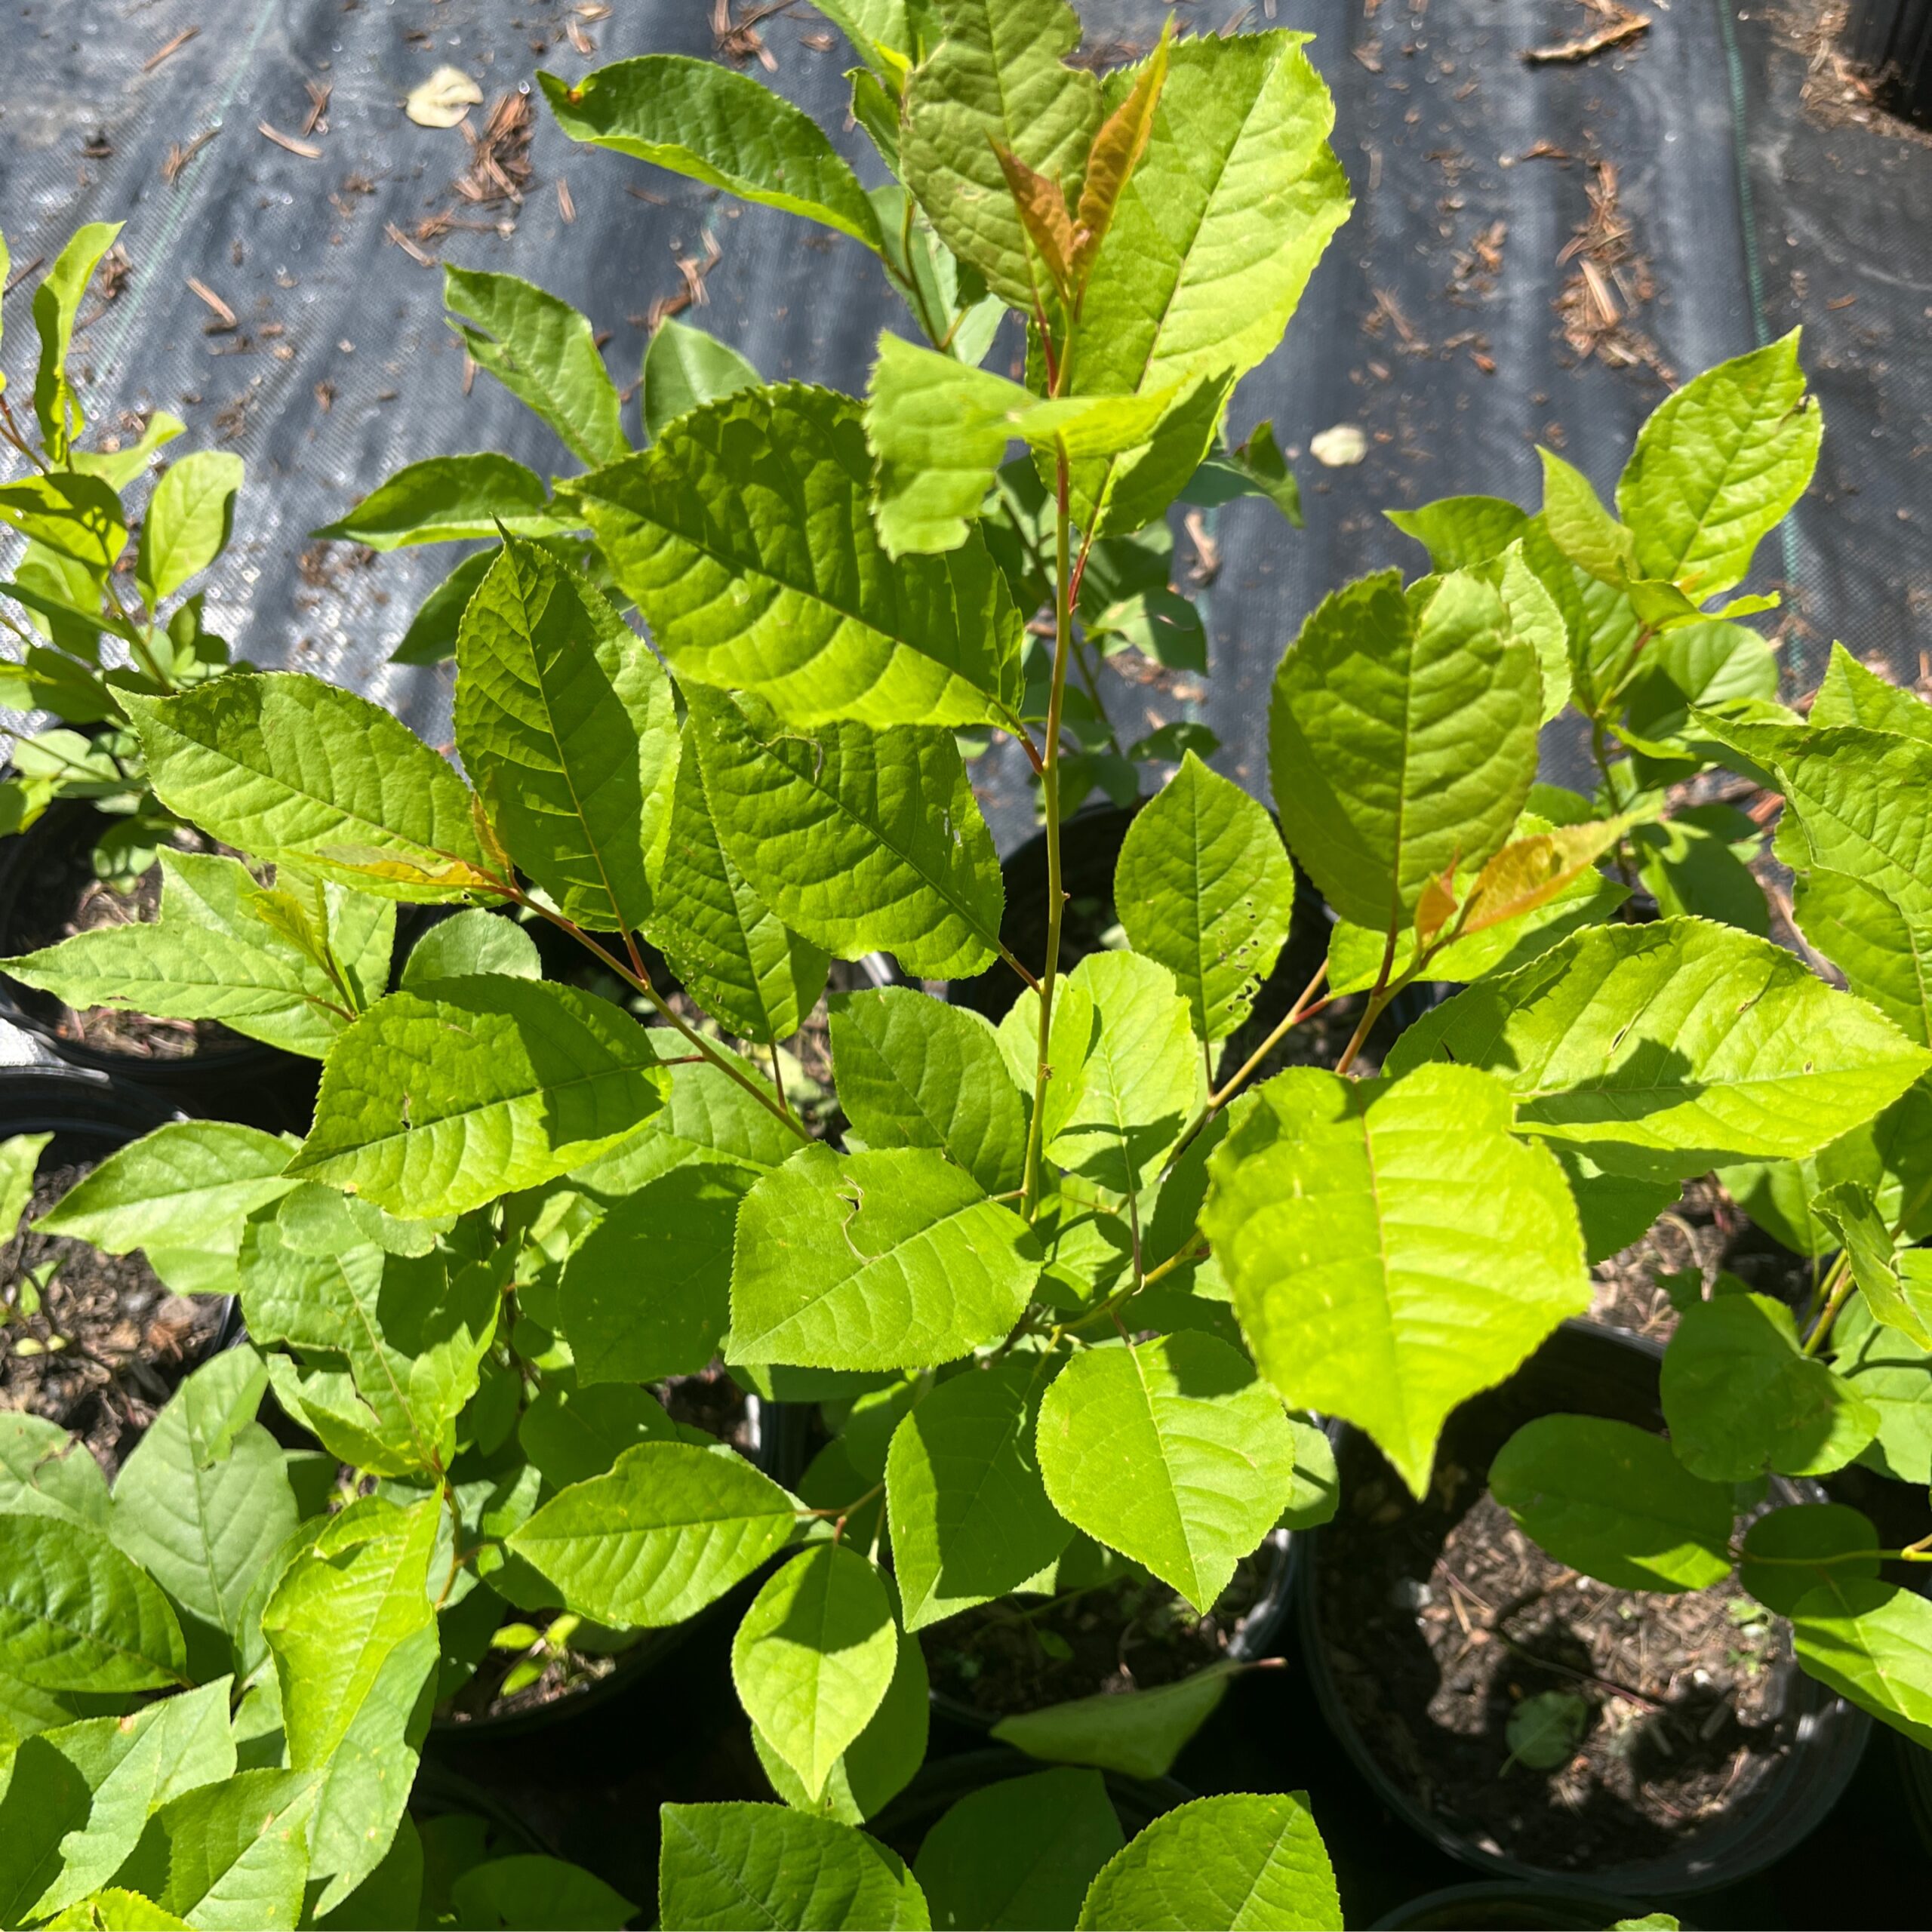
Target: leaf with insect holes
pixel 288 768
pixel 567 725
pixel 1204 887
pixel 861 841
pixel 745 535
pixel 1402 740
pixel 1717 466
pixel 1392 1247
pixel 544 352
pixel 714 125
pixel 1244 1861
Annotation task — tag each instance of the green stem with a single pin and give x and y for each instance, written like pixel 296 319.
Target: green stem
pixel 1378 998
pixel 1839 1285
pixel 142 642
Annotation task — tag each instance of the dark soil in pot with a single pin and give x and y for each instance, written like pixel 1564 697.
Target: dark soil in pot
pixel 1701 1752
pixel 1507 1908
pixel 1022 1654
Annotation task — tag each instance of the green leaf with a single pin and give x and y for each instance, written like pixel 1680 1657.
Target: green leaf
pixel 431 637
pixel 969 1518
pixel 19 1157
pixel 444 499
pixel 1694 1043
pixel 1850 695
pixel 1790 1551
pixel 189 519
pixel 1203 887
pixel 861 840
pixel 1894 1375
pixel 46 1801
pixel 1402 740
pixel 45 1471
pixel 894 1259
pixel 56 306
pixel 116 1910
pixel 1170 1452
pixel 997 79
pixel 530 1890
pixel 566 726
pixel 1699 665
pixel 126 1769
pixel 914 1071
pixel 670 1528
pixel 1741 1399
pixel 76 1615
pixel 1392 1248
pixel 1718 466
pixel 544 353
pixel 1217 232
pixel 1698 862
pixel 1612 1500
pixel 647 1294
pixel 1891 1284
pixel 229 1857
pixel 699 119
pixel 723 1866
pixel 188 1185
pixel 684 368
pixel 813 1656
pixel 1140 1733
pixel 438 1100
pixel 204 1503
pixel 118 468
pixel 1458 532
pixel 470 942
pixel 572 1435
pixel 745 535
pixel 392 1342
pixel 1871 1642
pixel 288 768
pixel 217 953
pixel 1883 951
pixel 79 516
pixel 733 954
pixel 1245 1862
pixel 1019 1854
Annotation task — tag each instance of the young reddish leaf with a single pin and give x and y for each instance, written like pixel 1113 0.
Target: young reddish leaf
pixel 1116 152
pixel 1531 872
pixel 1437 906
pixel 1043 213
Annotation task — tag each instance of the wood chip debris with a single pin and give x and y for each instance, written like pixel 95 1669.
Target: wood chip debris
pixel 692 294
pixel 174 46
pixel 21 273
pixel 224 316
pixel 112 275
pixel 1620 23
pixel 565 206
pixel 306 149
pixel 180 153
pixel 739 38
pixel 1610 282
pixel 407 246
pixel 499 168
pixel 1207 564
pixel 319 92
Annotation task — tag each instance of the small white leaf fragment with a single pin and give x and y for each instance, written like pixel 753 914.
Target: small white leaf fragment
pixel 1341 447
pixel 443 99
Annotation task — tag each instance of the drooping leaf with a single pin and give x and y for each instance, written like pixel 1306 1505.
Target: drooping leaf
pixel 566 726
pixel 218 952
pixel 970 1517
pixel 439 1099
pixel 647 1293
pixel 726 1865
pixel 683 369
pixel 813 1658
pixel 1392 1248
pixel 997 79
pixel 1612 1500
pixel 1139 1732
pixel 1019 1854
pixel 746 537
pixel 187 523
pixel 286 767
pixel 1741 1399
pixel 670 1527
pixel 861 841
pixel 1402 740
pixel 1170 1451
pixel 445 498
pixel 1203 886
pixel 894 1259
pixel 1680 1043
pixel 76 1615
pixel 1718 466
pixel 914 1071
pixel 1243 1862
pixel 544 352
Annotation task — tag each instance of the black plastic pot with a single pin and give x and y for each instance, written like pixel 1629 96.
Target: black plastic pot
pixel 943 1782
pixel 259 1084
pixel 1585 1369
pixel 1505 1907
pixel 1892 40
pixel 1256 1636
